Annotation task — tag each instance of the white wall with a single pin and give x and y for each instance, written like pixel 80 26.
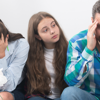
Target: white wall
pixel 72 15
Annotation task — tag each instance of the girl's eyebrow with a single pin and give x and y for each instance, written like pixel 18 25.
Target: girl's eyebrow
pixel 46 26
pixel 52 22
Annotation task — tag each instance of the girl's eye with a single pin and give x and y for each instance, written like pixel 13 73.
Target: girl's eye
pixel 53 25
pixel 45 30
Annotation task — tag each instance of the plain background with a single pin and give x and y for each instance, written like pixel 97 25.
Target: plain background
pixel 72 15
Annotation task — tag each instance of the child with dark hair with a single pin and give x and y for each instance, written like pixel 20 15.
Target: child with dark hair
pixel 13 55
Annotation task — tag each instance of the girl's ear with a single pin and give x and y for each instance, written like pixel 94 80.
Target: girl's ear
pixel 8 36
pixel 38 37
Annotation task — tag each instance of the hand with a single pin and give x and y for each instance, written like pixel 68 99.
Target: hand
pixel 3 45
pixel 91 39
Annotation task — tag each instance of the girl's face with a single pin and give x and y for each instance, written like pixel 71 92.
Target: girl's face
pixel 48 32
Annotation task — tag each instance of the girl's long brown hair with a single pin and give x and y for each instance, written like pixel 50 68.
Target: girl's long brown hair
pixel 5 31
pixel 38 77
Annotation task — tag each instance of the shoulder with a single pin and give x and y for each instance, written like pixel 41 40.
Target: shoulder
pixel 19 44
pixel 79 41
pixel 22 42
pixel 80 36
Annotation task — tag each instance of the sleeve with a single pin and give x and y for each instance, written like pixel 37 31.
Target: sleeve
pixel 13 72
pixel 76 62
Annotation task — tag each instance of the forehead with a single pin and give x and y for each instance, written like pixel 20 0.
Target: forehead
pixel 45 22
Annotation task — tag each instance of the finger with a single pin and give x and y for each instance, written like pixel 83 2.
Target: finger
pixel 93 29
pixel 92 24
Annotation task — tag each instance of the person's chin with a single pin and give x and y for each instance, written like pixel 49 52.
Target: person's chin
pixel 56 40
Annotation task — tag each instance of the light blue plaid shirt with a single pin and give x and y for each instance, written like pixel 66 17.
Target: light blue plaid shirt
pixel 13 63
pixel 79 56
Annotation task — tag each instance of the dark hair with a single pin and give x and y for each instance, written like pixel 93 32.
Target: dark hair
pixel 38 77
pixel 5 31
pixel 96 8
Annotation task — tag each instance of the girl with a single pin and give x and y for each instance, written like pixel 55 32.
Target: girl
pixel 47 58
pixel 13 55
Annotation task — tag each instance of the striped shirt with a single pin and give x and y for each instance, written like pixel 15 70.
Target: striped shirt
pixel 79 56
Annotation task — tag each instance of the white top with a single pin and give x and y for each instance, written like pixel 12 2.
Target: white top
pixel 48 62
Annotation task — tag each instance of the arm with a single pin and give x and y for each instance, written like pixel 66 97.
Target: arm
pixel 76 63
pixel 80 63
pixel 13 71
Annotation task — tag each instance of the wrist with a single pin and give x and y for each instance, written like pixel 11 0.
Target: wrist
pixel 90 48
